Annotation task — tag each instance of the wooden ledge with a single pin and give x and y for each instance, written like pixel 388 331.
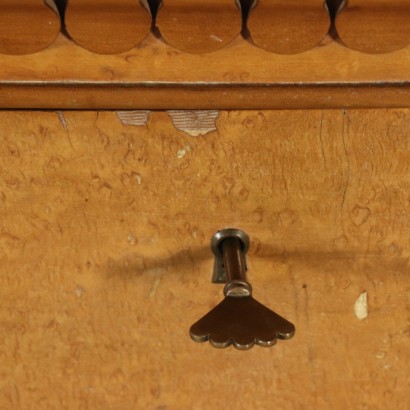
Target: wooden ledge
pixel 240 76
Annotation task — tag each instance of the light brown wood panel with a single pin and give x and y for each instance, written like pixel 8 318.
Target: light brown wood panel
pixel 288 26
pixel 108 26
pixel 240 76
pixel 27 26
pixel 375 26
pixel 105 259
pixel 200 26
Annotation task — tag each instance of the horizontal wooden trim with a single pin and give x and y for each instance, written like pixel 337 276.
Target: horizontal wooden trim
pixel 239 76
pixel 202 97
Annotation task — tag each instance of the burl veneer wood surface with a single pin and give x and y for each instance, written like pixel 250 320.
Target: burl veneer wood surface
pixel 288 27
pixel 27 26
pixel 375 26
pixel 240 76
pixel 200 26
pixel 107 26
pixel 105 260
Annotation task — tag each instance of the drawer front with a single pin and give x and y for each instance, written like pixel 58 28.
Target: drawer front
pixel 105 225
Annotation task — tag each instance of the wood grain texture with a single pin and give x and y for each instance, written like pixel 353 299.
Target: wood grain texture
pixel 288 26
pixel 240 76
pixel 107 26
pixel 201 26
pixel 105 260
pixel 27 26
pixel 375 26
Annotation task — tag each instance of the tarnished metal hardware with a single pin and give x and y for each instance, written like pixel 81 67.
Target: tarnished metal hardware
pixel 219 275
pixel 239 320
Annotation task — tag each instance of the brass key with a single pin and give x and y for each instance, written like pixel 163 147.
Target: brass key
pixel 239 319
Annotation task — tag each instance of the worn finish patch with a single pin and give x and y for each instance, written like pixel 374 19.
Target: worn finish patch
pixel 138 118
pixel 194 123
pixel 360 307
pixel 62 119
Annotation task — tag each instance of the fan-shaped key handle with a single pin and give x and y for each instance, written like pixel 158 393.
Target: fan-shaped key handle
pixel 239 319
